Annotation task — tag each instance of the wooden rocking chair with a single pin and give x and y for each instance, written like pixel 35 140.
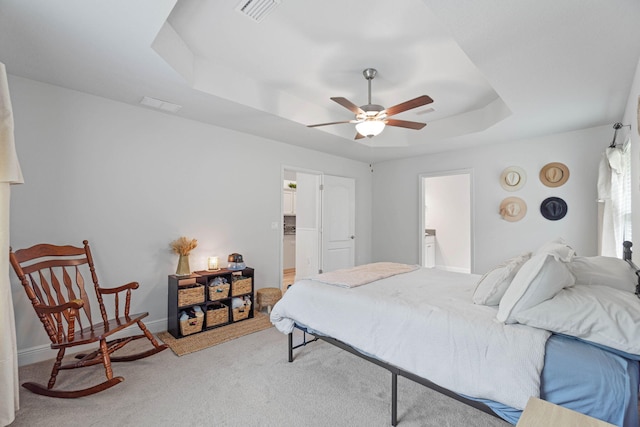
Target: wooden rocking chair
pixel 51 276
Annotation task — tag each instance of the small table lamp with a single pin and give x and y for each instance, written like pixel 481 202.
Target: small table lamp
pixel 212 263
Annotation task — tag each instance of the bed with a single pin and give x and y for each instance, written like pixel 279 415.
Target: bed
pixel 546 324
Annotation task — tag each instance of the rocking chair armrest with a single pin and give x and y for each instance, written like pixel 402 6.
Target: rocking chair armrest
pixel 130 285
pixel 116 293
pixel 74 304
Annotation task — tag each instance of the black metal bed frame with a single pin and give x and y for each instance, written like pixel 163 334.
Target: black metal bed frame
pixel 627 255
pixel 395 371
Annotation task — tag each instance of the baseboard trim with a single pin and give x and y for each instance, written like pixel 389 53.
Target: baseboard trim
pixel 44 352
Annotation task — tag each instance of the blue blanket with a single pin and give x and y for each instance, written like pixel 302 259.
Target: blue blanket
pixel 586 379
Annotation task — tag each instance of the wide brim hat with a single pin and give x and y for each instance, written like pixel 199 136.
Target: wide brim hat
pixel 513 178
pixel 513 209
pixel 554 174
pixel 553 208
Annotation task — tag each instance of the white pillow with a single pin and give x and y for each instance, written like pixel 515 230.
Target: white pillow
pixel 605 271
pixel 495 282
pixel 560 250
pixel 599 314
pixel 539 279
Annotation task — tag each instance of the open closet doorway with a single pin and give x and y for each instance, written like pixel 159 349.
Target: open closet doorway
pixel 318 233
pixel 301 214
pixel 289 199
pixel 446 221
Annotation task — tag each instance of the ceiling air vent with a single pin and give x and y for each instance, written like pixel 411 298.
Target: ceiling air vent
pixel 257 9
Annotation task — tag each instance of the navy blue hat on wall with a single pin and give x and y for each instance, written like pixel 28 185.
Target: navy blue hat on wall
pixel 553 208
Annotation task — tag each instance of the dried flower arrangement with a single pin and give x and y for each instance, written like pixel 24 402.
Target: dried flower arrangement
pixel 183 245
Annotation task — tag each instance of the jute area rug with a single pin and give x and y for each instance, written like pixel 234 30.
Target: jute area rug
pixel 216 336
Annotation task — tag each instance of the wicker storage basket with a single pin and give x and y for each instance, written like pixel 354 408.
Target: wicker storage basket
pixel 218 292
pixel 189 296
pixel 267 297
pixel 191 325
pixel 217 315
pixel 241 313
pixel 240 286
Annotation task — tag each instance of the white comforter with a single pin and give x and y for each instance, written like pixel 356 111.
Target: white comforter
pixel 425 322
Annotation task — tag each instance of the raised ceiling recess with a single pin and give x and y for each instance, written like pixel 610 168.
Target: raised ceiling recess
pixel 290 63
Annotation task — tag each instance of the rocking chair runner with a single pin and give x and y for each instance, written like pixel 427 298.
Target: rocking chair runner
pixel 52 277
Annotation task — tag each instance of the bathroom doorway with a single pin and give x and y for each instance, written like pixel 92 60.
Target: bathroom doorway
pixel 446 220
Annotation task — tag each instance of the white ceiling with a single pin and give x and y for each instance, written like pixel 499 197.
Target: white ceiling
pixel 497 70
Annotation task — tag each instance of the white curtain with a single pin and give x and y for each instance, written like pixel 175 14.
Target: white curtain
pixel 614 197
pixel 10 173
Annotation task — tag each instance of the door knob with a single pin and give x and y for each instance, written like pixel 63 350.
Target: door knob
pixel 352 237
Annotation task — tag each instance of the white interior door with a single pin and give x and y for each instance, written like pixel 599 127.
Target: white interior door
pixel 338 223
pixel 307 224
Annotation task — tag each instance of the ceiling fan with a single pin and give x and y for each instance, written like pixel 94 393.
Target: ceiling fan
pixel 372 118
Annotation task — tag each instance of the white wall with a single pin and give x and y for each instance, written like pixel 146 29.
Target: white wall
pixel 131 180
pixel 395 222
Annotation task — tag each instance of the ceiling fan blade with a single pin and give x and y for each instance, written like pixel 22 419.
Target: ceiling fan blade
pixel 408 105
pixel 359 136
pixel 331 123
pixel 348 105
pixel 405 124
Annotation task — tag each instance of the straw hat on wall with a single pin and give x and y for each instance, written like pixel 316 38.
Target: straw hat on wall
pixel 554 174
pixel 513 209
pixel 513 178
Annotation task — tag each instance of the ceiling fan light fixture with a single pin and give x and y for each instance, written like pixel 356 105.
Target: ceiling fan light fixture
pixel 370 128
pixel 371 119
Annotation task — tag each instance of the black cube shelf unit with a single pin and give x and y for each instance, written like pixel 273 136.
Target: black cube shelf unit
pixel 186 292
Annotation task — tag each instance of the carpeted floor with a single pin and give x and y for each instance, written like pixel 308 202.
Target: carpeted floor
pixel 202 340
pixel 244 382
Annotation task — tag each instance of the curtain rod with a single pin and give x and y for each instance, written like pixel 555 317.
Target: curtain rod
pixel 617 126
